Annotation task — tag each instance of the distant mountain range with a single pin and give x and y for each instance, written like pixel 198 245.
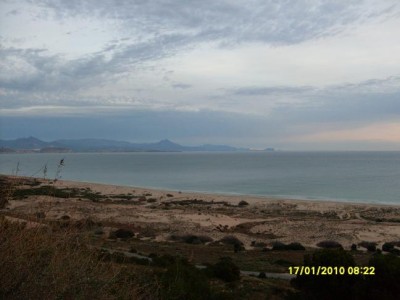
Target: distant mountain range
pixel 32 144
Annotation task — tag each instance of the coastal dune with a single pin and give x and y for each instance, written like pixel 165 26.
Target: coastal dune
pixel 159 214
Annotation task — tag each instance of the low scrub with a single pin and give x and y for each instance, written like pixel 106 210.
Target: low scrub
pixel 330 245
pixel 183 281
pixel 292 246
pixel 370 246
pixel 39 264
pixel 387 247
pixel 231 240
pixel 191 239
pixel 226 270
pixel 243 203
pixel 121 234
pixel 234 241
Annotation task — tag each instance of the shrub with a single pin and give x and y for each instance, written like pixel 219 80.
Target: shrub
pixel 370 246
pixel 234 241
pixel 238 248
pixel 353 247
pixel 278 246
pixel 258 244
pixel 395 251
pixel 262 275
pixel 142 199
pixel 231 240
pixel 243 203
pixel 122 233
pixel 226 270
pixel 330 245
pixel 292 246
pixel 387 247
pixel 191 239
pixel 183 281
pixel 295 246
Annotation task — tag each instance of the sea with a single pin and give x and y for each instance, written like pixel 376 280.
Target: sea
pixel 362 177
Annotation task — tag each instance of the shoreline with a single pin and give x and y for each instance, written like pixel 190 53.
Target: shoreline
pixel 251 197
pixel 252 219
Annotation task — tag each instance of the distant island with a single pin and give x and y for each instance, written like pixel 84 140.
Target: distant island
pixel 35 145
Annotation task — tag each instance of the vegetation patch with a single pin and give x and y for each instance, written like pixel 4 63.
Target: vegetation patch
pixel 243 203
pixel 39 264
pixel 121 234
pixel 292 246
pixel 328 244
pixel 370 246
pixel 226 270
pixel 191 239
pixel 196 202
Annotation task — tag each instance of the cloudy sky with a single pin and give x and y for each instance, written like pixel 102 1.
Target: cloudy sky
pixel 295 75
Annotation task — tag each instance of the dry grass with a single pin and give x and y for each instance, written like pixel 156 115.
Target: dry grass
pixel 39 263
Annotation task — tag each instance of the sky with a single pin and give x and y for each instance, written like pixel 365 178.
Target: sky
pixel 293 75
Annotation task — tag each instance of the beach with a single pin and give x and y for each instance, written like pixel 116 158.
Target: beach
pixel 160 214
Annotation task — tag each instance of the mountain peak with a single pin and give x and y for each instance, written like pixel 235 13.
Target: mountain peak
pixel 166 142
pixel 95 145
pixel 30 139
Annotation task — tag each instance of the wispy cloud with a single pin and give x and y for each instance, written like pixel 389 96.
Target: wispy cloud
pixel 273 90
pixel 291 66
pixel 183 86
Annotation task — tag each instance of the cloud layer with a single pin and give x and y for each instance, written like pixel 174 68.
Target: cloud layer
pixel 296 69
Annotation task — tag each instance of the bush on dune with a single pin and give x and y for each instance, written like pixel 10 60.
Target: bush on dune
pixel 330 245
pixel 292 246
pixel 191 238
pixel 226 270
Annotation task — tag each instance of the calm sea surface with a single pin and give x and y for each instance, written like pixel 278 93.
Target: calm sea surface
pixel 372 177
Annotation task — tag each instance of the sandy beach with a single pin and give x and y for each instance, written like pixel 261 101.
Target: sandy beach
pixel 159 214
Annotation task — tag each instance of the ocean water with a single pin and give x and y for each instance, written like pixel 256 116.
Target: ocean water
pixel 367 177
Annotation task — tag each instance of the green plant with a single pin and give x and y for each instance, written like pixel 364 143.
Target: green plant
pixel 330 245
pixel 370 246
pixel 292 246
pixel 226 270
pixel 243 203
